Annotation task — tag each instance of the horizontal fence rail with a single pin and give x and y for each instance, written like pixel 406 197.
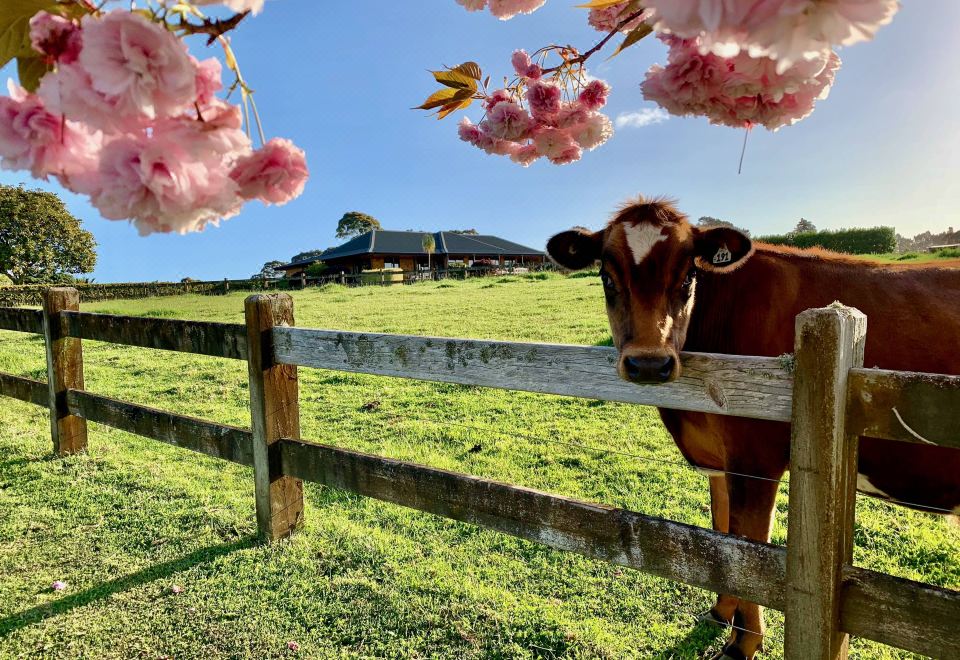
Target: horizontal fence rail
pixel 24 389
pixel 911 407
pixel 756 387
pixel 230 443
pixel 226 340
pixel 21 320
pixel 902 613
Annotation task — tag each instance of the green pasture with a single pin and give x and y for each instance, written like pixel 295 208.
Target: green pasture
pixel 157 545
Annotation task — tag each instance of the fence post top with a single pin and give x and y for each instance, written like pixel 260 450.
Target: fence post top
pixel 260 298
pixel 835 310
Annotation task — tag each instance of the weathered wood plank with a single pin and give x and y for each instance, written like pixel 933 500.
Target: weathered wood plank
pixel 909 615
pixel 274 414
pixel 24 389
pixel 230 443
pixel 20 319
pixel 823 481
pixel 694 555
pixel 929 404
pixel 902 613
pixel 755 387
pixel 226 340
pixel 64 370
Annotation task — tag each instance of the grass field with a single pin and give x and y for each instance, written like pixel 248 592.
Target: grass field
pixel 915 257
pixel 131 520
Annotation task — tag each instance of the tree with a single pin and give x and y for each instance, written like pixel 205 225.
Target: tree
pixel 465 232
pixel 429 245
pixel 804 226
pixel 354 223
pixel 269 271
pixel 309 254
pixel 708 221
pixel 40 241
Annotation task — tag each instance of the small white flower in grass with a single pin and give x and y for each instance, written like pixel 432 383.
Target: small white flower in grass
pixel 58 585
pixel 176 589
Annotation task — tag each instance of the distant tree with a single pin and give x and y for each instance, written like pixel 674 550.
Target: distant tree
pixel 804 226
pixel 269 271
pixel 465 232
pixel 354 223
pixel 429 245
pixel 309 254
pixel 40 241
pixel 316 269
pixel 707 221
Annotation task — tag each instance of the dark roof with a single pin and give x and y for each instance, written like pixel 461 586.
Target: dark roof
pixel 383 241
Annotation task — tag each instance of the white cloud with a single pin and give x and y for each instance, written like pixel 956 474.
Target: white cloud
pixel 641 118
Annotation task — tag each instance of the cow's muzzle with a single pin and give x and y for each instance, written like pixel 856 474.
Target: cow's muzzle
pixel 649 369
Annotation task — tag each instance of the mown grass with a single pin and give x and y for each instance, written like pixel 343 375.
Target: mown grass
pixel 125 523
pixel 915 257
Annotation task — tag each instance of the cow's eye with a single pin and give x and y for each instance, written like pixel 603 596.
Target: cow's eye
pixel 687 285
pixel 607 281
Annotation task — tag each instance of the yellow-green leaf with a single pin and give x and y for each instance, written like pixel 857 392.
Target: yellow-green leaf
pixel 635 35
pixel 455 79
pixel 30 70
pixel 444 97
pixel 15 18
pixel 599 4
pixel 451 107
pixel 471 69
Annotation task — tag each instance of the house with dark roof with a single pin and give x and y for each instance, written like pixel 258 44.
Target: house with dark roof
pixel 380 248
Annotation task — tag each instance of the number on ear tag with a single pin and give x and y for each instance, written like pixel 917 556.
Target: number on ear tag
pixel 722 256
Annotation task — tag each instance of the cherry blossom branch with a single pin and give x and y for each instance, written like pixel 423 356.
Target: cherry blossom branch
pixel 213 28
pixel 580 59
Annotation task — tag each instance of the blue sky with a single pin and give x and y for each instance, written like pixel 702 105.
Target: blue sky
pixel 340 81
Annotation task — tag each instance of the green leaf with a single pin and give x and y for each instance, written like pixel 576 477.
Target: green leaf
pixel 15 18
pixel 451 107
pixel 635 35
pixel 31 70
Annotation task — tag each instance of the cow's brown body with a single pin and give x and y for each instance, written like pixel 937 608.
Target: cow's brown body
pixel 671 286
pixel 913 324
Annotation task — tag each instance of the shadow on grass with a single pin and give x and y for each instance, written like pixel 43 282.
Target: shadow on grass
pixel 41 612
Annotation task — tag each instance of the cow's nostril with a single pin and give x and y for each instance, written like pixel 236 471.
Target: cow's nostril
pixel 666 369
pixel 649 369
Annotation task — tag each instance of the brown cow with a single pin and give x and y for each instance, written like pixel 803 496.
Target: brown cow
pixel 671 286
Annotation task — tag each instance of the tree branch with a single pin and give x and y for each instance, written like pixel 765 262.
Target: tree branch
pixel 213 28
pixel 580 59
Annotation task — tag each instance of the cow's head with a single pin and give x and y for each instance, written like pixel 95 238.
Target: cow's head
pixel 650 257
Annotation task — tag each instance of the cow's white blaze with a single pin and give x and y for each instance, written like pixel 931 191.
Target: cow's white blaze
pixel 641 238
pixel 666 326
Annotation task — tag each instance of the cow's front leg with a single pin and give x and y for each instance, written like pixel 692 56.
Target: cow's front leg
pixel 726 606
pixel 751 504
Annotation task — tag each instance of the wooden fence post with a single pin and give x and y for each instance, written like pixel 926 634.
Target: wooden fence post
pixel 64 371
pixel 275 414
pixel 823 479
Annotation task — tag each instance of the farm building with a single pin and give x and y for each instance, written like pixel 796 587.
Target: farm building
pixel 380 248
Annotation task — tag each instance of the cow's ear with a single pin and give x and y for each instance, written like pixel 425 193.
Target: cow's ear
pixel 721 249
pixel 575 249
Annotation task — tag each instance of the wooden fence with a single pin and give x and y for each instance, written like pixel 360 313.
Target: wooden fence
pixel 828 396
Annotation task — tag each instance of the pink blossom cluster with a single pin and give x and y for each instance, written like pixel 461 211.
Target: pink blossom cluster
pixel 737 91
pixel 607 19
pixel 130 119
pixel 503 9
pixel 548 127
pixel 789 31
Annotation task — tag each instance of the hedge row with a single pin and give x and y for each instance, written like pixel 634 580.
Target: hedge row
pixel 18 296
pixel 876 240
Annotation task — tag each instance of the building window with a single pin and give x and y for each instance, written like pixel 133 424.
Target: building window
pixel 391 262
